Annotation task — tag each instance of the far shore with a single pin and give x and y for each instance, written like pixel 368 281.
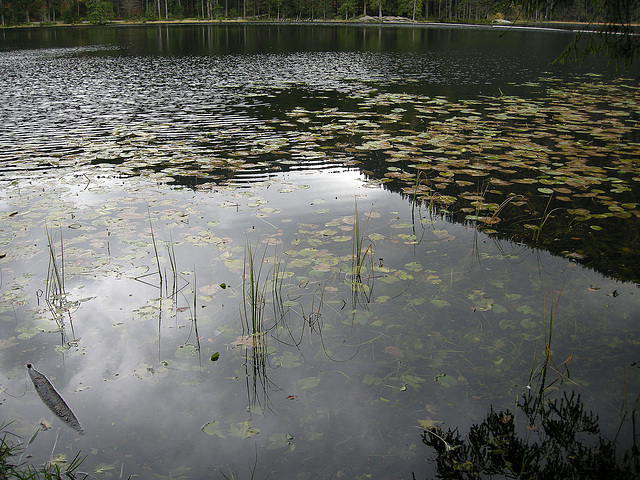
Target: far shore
pixel 361 20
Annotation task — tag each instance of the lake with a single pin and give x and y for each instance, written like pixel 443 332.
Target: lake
pixel 241 251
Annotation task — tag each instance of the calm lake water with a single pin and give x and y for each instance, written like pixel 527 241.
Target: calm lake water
pixel 242 251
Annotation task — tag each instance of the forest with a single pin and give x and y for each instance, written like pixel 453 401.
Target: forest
pixel 16 12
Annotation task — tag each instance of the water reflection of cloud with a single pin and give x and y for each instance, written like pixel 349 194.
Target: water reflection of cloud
pixel 138 394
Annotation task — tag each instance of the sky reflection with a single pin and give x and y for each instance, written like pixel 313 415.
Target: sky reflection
pixel 143 392
pixel 155 199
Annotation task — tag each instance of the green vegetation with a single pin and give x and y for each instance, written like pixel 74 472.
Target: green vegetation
pixel 100 13
pixel 11 448
pixel 361 257
pixel 612 11
pixel 454 317
pixel 556 439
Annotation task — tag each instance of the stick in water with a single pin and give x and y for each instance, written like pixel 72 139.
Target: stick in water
pixel 53 400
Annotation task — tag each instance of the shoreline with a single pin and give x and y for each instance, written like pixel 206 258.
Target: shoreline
pixel 358 21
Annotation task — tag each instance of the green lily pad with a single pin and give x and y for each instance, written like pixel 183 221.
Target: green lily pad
pixel 279 440
pixel 308 382
pixel 213 428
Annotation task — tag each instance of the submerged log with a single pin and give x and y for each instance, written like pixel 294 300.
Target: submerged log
pixel 53 400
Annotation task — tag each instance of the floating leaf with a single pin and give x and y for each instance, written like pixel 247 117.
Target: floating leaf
pixel 428 424
pixel 526 309
pixel 413 267
pixel 447 381
pixel 288 360
pixel 269 210
pixel 311 433
pixel 396 352
pixel 308 382
pixel 412 380
pixel 369 379
pixel 390 279
pixel 498 309
pixel 27 332
pixel 186 351
pixel 213 428
pixel 7 342
pixel 440 303
pixel 506 323
pixel 243 430
pixel 279 440
pixel 527 323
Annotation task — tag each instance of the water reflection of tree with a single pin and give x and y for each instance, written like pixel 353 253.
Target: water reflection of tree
pixel 616 34
pixel 556 439
pixel 607 245
pixel 562 441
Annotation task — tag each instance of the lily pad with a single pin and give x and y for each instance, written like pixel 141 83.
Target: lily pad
pixel 308 382
pixel 213 428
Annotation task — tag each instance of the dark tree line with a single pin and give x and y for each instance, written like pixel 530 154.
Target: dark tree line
pixel 29 11
pixel 616 21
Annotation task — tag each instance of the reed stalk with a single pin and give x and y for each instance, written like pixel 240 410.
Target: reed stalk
pixel 155 247
pixel 252 317
pixel 361 256
pixel 55 291
pixel 501 207
pixel 253 294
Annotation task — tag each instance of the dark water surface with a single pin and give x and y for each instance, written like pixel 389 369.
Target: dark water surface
pixel 372 226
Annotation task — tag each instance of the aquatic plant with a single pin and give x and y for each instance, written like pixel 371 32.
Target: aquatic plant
pixel 11 450
pixel 55 294
pixel 557 438
pixel 55 291
pixel 155 248
pixel 360 253
pixel 253 296
pixel 254 332
pixel 193 309
pixel 278 276
pixel 361 257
